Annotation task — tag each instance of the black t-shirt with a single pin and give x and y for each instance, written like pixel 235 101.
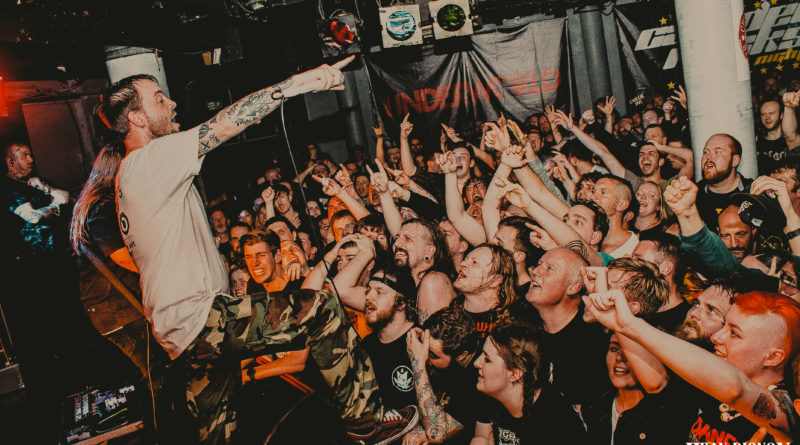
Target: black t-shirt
pixel 551 420
pixel 703 418
pixel 710 204
pixel 456 389
pixel 649 422
pixel 669 320
pixel 580 371
pixel 392 370
pixel 484 321
pixel 769 152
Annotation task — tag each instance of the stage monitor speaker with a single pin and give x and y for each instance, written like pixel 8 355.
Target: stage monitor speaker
pixel 10 380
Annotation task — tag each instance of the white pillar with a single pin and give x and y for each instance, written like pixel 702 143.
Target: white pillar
pixel 124 61
pixel 718 88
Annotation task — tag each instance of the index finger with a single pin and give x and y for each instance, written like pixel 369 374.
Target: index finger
pixel 344 62
pixel 369 170
pixel 380 167
pixel 405 119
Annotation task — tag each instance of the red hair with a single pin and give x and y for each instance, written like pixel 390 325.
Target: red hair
pixel 758 303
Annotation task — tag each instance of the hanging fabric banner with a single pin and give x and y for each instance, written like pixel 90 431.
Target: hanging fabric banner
pixel 516 72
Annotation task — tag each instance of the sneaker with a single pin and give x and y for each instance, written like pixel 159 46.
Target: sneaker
pixel 395 424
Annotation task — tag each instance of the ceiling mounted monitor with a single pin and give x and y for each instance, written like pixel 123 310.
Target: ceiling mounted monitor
pixel 400 26
pixel 451 18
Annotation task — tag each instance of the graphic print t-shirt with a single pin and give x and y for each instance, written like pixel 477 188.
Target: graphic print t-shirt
pixel 392 370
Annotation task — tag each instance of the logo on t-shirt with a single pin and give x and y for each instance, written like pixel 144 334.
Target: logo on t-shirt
pixel 123 223
pixel 402 378
pixel 507 437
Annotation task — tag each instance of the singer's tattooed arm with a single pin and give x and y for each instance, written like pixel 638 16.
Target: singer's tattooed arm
pixel 237 117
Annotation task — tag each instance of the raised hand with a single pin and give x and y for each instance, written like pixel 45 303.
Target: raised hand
pixel 322 78
pixel 342 176
pixel 608 107
pixel 497 137
pixel 514 157
pixel 406 127
pixel 595 279
pixel 681 195
pixel 418 344
pixel 564 120
pixel 447 162
pixel 774 188
pixel 680 96
pixel 550 114
pixel 502 121
pixel 329 186
pixel 379 179
pixel 516 195
pixel 401 178
pixel 378 130
pixel 450 132
pixel 364 243
pixel 517 132
pixel 791 100
pixel 540 238
pixel 611 309
pixel 268 195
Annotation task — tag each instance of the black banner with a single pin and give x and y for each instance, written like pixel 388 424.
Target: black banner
pixel 649 49
pixel 517 72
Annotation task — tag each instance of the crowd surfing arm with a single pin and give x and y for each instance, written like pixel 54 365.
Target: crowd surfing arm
pixel 346 281
pixel 685 154
pixel 716 377
pixel 406 160
pixel 437 423
pixel 789 120
pixel 597 147
pixel 252 108
pixel 391 214
pixel 556 229
pixel 470 229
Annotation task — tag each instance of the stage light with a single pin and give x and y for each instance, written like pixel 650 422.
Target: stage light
pixel 400 26
pixel 451 18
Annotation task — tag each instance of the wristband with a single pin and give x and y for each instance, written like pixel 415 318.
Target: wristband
pixel 793 234
pixel 277 93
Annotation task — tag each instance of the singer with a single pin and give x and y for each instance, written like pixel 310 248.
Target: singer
pixel 184 282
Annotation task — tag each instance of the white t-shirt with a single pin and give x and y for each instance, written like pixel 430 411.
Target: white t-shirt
pixel 164 226
pixel 627 247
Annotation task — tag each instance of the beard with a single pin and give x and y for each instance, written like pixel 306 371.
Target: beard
pixel 716 175
pixel 381 318
pixel 403 260
pixel 161 126
pixel 698 339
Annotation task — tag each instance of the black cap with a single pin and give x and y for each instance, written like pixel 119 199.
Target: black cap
pixel 760 211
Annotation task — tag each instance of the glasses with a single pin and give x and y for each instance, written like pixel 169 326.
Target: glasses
pixel 788 280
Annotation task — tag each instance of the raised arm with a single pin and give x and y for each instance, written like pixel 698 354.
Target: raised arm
pixel 597 147
pixel 778 188
pixel 316 278
pixel 437 423
pixel 608 111
pixel 268 195
pixel 686 155
pixel 235 118
pixel 470 229
pixel 704 370
pixel 680 197
pixel 346 281
pixel 391 214
pixel 789 120
pixel 406 160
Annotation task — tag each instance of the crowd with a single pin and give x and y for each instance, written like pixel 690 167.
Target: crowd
pixel 516 282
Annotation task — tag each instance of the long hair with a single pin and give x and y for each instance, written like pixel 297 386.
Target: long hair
pixel 503 265
pixel 523 347
pixel 98 190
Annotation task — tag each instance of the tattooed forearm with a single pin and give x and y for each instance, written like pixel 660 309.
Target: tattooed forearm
pixel 237 117
pixel 764 407
pixel 438 425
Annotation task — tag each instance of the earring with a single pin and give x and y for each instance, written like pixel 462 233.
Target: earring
pixel 427 258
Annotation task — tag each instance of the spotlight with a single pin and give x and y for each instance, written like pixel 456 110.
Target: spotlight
pixel 450 18
pixel 400 26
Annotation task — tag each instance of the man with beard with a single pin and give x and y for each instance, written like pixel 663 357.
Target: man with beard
pixel 220 226
pixel 389 308
pixel 419 245
pixel 770 141
pixel 456 244
pixel 707 313
pixel 442 356
pixel 721 155
pixel 164 227
pixel 738 236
